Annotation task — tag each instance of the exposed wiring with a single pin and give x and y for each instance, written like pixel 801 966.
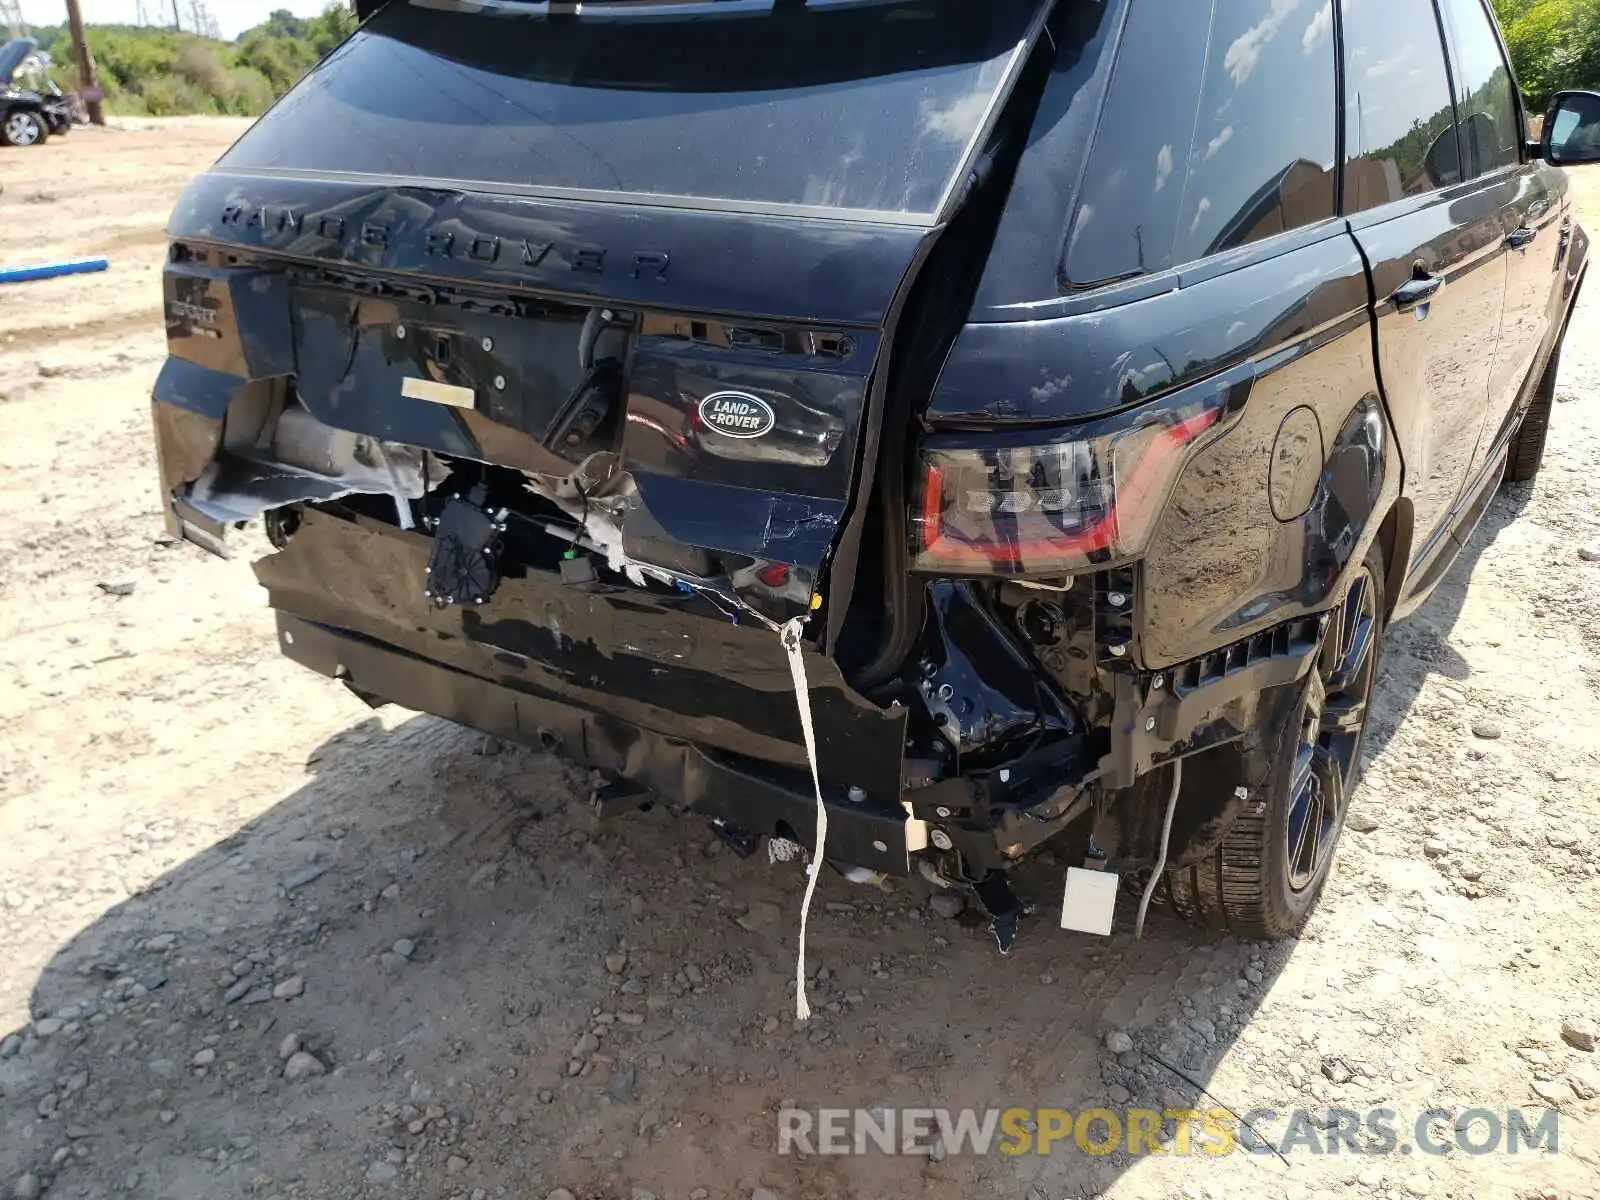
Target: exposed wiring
pixel 720 594
pixel 1161 862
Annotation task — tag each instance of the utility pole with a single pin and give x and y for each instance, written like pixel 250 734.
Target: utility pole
pixel 203 22
pixel 88 77
pixel 11 15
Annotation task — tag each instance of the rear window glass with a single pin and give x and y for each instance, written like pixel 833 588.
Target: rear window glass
pixel 1401 124
pixel 839 104
pixel 1486 114
pixel 1267 139
pixel 1128 209
pixel 1220 129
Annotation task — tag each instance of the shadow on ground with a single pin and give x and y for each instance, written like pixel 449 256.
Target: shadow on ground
pixel 458 925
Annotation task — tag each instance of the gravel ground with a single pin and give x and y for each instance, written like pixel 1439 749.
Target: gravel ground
pixel 256 940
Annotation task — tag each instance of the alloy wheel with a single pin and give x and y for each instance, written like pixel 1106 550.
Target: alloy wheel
pixel 1328 753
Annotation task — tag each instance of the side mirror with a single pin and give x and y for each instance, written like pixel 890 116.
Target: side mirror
pixel 1443 160
pixel 1572 129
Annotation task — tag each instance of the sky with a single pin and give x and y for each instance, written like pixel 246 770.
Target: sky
pixel 233 16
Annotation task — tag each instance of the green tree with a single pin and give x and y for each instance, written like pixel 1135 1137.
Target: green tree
pixel 283 24
pixel 1555 45
pixel 161 72
pixel 333 26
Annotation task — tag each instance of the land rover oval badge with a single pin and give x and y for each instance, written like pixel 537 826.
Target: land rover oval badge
pixel 737 414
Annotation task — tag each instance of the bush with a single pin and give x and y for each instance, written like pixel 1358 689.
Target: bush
pixel 201 65
pixel 174 96
pixel 250 93
pixel 280 61
pixel 146 71
pixel 1555 44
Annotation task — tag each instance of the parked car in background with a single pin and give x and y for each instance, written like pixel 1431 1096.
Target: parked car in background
pixel 1090 382
pixel 32 105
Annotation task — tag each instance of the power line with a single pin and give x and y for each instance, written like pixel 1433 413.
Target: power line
pixel 11 13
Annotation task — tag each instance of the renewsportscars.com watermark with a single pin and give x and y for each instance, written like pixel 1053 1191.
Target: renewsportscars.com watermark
pixel 1182 1131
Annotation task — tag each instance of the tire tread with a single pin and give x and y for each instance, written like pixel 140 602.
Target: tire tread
pixel 1233 888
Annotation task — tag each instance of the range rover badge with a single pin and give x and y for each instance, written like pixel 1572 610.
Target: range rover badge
pixel 737 414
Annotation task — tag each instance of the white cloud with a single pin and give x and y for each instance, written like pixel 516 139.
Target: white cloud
pixel 1393 63
pixel 1321 26
pixel 1214 146
pixel 1163 165
pixel 957 121
pixel 1245 50
pixel 1199 213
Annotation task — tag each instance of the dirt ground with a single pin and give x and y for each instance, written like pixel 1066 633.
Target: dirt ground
pixel 207 853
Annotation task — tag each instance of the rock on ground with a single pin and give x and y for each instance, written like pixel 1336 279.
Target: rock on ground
pixel 302 1065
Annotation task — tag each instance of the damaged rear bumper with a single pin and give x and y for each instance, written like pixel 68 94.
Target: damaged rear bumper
pixel 741 793
pixel 700 712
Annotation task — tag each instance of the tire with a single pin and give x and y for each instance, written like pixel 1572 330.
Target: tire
pixel 1527 444
pixel 19 127
pixel 1265 878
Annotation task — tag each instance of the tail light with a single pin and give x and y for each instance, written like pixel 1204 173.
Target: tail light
pixel 1065 501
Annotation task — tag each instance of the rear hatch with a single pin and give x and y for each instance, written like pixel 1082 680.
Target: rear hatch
pixel 739 190
pixel 638 262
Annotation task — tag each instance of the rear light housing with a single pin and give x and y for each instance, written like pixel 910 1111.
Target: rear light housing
pixel 1060 501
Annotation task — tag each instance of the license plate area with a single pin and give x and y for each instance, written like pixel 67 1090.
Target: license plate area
pixel 384 365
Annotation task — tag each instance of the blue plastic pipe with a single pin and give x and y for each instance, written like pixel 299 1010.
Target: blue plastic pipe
pixel 72 266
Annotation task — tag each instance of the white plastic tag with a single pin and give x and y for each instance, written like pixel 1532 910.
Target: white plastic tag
pixel 1090 902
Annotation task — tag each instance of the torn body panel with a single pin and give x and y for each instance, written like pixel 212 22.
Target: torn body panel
pixel 650 659
pixel 747 796
pixel 307 460
pixel 552 390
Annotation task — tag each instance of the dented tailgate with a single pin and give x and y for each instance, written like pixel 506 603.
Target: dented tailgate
pixel 345 316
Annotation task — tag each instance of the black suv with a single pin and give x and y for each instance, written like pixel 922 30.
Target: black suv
pixel 994 426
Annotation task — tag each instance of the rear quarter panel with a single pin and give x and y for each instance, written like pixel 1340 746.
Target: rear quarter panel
pixel 1266 522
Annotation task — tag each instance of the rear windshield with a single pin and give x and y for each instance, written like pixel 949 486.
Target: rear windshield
pixel 866 105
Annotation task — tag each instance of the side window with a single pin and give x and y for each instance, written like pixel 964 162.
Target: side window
pixel 1265 142
pixel 1219 129
pixel 1490 130
pixel 1400 132
pixel 1128 207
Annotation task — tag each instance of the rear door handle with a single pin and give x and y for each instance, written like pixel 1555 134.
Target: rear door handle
pixel 1417 291
pixel 1521 239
